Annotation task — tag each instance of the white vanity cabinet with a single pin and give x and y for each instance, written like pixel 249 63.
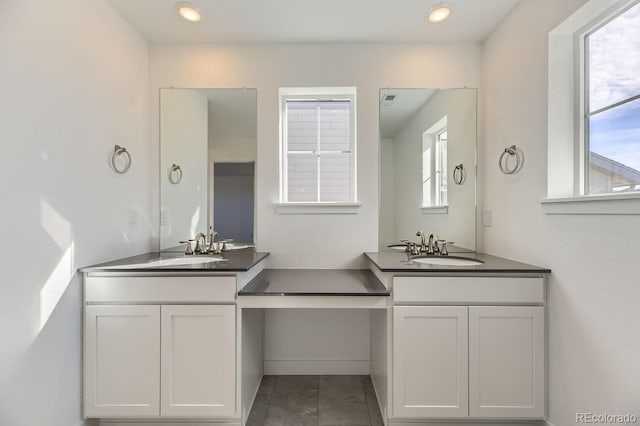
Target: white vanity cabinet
pixel 430 361
pixel 468 347
pixel 160 346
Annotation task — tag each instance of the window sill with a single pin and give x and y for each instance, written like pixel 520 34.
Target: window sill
pixel 317 208
pixel 609 204
pixel 435 210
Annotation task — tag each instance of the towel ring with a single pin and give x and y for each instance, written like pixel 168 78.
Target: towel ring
pixel 117 152
pixel 503 162
pixel 175 174
pixel 459 174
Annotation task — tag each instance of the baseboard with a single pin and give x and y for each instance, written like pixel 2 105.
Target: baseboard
pixel 317 367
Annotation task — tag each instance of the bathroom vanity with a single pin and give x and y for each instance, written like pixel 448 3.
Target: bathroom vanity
pixel 161 342
pixel 464 343
pixel 183 343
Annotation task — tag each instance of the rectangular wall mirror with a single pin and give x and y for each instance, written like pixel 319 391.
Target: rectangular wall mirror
pixel 207 164
pixel 428 166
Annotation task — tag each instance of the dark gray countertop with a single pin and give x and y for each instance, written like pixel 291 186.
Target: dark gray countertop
pixel 235 261
pixel 400 262
pixel 314 282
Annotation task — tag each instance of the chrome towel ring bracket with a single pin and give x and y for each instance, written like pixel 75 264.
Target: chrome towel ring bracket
pixel 459 174
pixel 175 174
pixel 511 160
pixel 120 152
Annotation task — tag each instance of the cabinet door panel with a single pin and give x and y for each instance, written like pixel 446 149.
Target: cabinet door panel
pixel 122 344
pixel 430 370
pixel 198 361
pixel 506 361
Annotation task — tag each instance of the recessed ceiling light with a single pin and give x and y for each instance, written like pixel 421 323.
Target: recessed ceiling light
pixel 439 13
pixel 188 12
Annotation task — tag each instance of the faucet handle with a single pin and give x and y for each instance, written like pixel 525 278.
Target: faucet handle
pixel 188 251
pixel 224 244
pixel 443 250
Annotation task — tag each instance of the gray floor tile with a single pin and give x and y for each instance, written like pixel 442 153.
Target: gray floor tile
pixel 261 404
pixel 346 385
pixel 342 401
pixel 315 401
pixel 297 382
pixel 293 407
pixel 372 402
pixel 374 411
pixel 336 411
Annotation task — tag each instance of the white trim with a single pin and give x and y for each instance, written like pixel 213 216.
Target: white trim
pixel 606 204
pixel 435 209
pixel 314 302
pixel 317 367
pixel 317 208
pixel 566 148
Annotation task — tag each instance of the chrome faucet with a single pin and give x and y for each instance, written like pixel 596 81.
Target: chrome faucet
pixel 211 238
pixel 201 244
pixel 423 246
pixel 432 247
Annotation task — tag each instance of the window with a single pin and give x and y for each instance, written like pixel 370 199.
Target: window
pixel 318 145
pixel 612 104
pixel 593 159
pixel 434 165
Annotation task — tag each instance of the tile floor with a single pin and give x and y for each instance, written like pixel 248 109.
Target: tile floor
pixel 315 401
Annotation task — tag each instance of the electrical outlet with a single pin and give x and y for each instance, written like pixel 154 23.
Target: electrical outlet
pixel 486 217
pixel 164 217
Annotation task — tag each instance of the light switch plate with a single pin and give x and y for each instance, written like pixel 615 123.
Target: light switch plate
pixel 486 217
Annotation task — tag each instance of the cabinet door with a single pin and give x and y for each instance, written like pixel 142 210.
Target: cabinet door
pixel 122 347
pixel 506 362
pixel 198 361
pixel 430 368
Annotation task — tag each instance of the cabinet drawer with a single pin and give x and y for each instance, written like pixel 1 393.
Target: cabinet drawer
pixel 494 290
pixel 220 289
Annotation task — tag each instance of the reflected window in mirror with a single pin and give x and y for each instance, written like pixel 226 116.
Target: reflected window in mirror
pixel 434 165
pixel 318 143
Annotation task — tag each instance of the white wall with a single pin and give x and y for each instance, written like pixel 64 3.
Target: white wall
pixel 314 241
pixel 74 82
pixel 184 130
pixel 594 343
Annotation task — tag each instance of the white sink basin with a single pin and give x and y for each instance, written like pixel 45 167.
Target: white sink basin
pixel 235 246
pixel 448 261
pixel 175 261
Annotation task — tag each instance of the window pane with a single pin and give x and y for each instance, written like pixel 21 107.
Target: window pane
pixel 303 177
pixel 302 126
pixel 614 142
pixel 614 60
pixel 335 125
pixel 335 177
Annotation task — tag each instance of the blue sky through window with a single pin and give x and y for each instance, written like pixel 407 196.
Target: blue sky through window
pixel 614 76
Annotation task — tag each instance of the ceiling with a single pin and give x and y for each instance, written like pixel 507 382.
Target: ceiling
pixel 306 21
pixel 406 103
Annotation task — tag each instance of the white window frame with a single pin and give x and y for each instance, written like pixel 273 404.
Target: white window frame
pixel 567 149
pixel 319 94
pixel 431 184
